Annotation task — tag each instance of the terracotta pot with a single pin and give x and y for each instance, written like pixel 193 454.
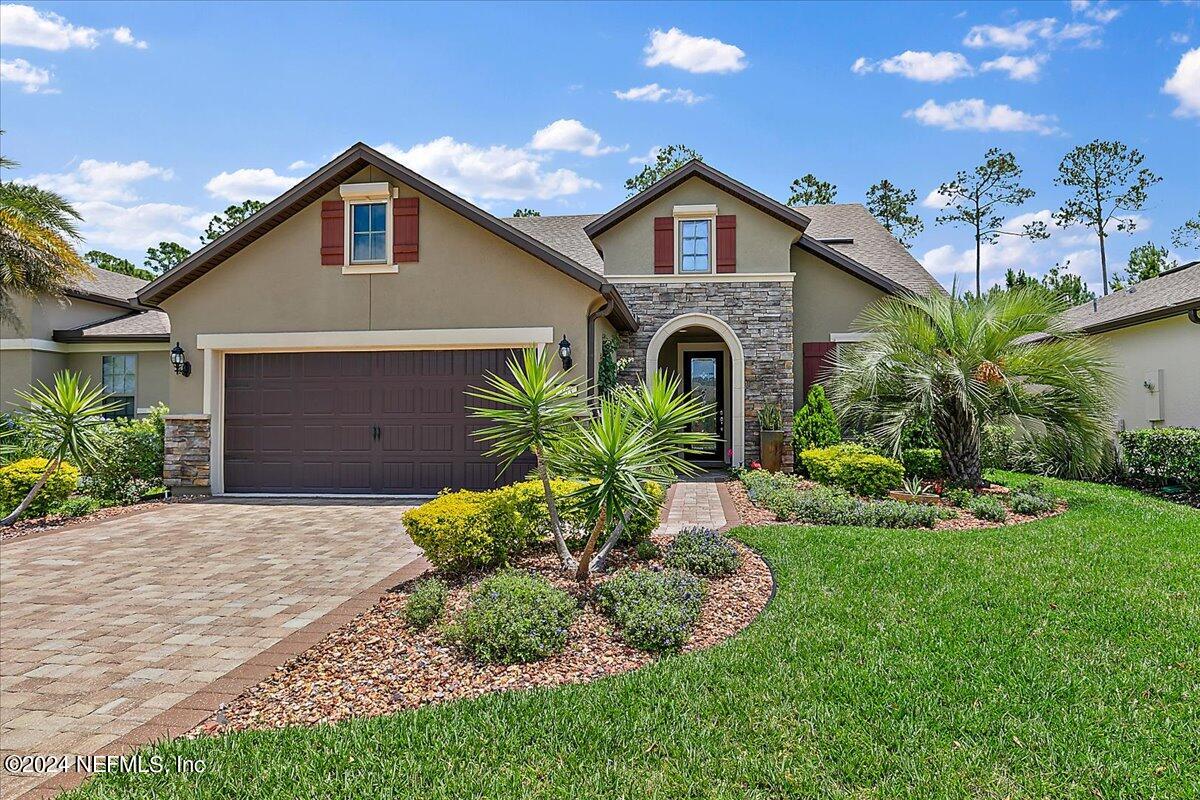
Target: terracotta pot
pixel 771 447
pixel 923 499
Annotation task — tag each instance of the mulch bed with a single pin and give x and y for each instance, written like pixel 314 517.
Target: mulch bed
pixel 26 527
pixel 377 665
pixel 753 515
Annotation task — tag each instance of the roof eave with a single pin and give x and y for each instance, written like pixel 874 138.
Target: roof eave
pixel 850 265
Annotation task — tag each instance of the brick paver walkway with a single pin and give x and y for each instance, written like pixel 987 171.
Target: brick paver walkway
pixel 695 502
pixel 105 626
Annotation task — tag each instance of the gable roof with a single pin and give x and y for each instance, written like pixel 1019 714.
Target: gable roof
pixel 331 175
pixel 870 246
pixel 565 234
pixel 698 169
pixel 136 326
pixel 109 288
pixel 1176 291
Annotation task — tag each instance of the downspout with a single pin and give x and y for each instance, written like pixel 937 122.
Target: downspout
pixel 602 311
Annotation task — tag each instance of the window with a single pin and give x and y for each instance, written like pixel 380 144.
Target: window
pixel 368 233
pixel 119 375
pixel 693 245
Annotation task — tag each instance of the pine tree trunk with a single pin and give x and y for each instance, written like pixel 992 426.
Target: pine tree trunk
pixel 978 267
pixel 585 559
pixel 1103 263
pixel 51 468
pixel 560 542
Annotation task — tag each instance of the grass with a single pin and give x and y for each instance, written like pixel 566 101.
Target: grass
pixel 1055 659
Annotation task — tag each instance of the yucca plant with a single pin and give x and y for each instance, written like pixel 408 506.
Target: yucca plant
pixel 532 412
pixel 67 417
pixel 1004 358
pixel 670 415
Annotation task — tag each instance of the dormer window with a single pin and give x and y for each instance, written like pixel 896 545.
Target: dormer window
pixel 368 233
pixel 695 236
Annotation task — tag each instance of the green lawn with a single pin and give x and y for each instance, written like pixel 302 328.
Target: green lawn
pixel 1055 659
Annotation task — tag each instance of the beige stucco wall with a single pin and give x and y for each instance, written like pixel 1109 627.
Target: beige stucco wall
pixel 466 278
pixel 153 369
pixel 763 242
pixel 825 300
pixel 1172 345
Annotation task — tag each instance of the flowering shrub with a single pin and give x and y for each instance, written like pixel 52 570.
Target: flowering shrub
pixel 989 508
pixel 830 506
pixel 702 551
pixel 654 610
pixel 1023 503
pixel 17 478
pixel 514 617
pixel 425 604
pixel 761 483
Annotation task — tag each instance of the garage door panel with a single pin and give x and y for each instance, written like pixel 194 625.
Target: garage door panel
pixel 398 476
pixel 398 438
pixel 354 399
pixel 435 475
pixel 274 438
pixel 319 438
pixel 275 365
pixel 399 399
pixel 354 438
pixel 354 476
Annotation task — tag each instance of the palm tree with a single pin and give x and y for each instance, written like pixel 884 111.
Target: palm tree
pixel 67 418
pixel 532 413
pixel 37 243
pixel 1003 358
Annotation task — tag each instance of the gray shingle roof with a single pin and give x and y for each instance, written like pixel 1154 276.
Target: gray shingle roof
pixel 565 234
pixel 873 246
pixel 110 284
pixel 1178 289
pixel 137 324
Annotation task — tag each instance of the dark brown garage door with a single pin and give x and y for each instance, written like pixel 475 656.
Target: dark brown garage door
pixel 367 423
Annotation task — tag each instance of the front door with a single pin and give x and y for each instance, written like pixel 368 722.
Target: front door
pixel 704 377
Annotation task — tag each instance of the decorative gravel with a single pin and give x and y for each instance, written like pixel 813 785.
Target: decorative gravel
pixel 377 665
pixel 753 515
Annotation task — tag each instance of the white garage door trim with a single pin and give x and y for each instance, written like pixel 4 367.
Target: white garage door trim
pixel 216 345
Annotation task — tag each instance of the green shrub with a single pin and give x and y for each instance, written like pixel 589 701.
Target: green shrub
pixel 918 434
pixel 854 468
pixel 959 498
pixel 426 603
pixel 130 461
pixel 987 507
pixel 760 482
pixel 1023 503
pixel 76 506
pixel 643 524
pixel 1162 456
pixel 514 617
pixel 826 505
pixel 646 550
pixel 996 447
pixel 924 462
pixel 654 610
pixel 815 425
pixel 702 551
pixel 17 478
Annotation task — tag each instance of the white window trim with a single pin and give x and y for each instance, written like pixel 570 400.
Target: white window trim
pixel 355 194
pixel 707 212
pixel 848 337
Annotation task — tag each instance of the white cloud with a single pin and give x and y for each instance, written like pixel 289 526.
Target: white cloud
pixel 648 158
pixel 975 114
pixel 1180 38
pixel 92 180
pixel 137 227
pixel 572 136
pixel 1184 85
pixel 300 164
pixel 1024 34
pixel 249 184
pixel 490 173
pixel 693 53
pixel 935 199
pixel 32 80
pixel 1100 11
pixel 25 26
pixel 919 65
pixel 1019 68
pixel 653 93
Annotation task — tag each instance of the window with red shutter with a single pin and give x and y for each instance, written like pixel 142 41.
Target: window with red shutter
pixel 406 229
pixel 726 243
pixel 664 245
pixel 333 233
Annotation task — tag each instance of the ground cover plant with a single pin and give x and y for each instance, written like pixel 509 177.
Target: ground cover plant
pixel 514 617
pixel 702 551
pixel 1052 659
pixel 654 609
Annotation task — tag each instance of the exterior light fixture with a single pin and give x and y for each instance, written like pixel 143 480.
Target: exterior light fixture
pixel 564 352
pixel 182 367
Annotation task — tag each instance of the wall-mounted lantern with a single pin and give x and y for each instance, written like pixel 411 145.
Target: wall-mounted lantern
pixel 182 367
pixel 564 352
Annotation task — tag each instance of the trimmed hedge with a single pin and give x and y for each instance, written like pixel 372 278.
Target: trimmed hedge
pixel 924 462
pixel 17 478
pixel 1162 456
pixel 853 468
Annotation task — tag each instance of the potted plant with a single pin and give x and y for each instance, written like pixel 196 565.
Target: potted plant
pixel 770 437
pixel 915 491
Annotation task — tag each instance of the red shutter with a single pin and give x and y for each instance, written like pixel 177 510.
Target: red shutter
pixel 726 243
pixel 818 356
pixel 333 233
pixel 664 245
pixel 406 229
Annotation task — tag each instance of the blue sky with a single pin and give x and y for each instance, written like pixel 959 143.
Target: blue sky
pixel 153 116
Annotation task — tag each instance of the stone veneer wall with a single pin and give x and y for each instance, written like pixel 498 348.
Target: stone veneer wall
pixel 186 457
pixel 760 313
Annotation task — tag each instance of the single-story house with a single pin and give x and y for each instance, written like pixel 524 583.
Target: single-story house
pixel 330 337
pixel 1153 332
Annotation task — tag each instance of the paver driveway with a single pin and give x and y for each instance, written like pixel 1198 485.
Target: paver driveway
pixel 105 626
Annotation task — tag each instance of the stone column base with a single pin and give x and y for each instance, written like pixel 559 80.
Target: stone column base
pixel 186 445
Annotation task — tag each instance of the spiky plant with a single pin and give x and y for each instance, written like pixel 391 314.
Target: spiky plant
pixel 1004 358
pixel 67 418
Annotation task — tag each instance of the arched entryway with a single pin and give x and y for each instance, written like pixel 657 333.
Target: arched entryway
pixel 686 341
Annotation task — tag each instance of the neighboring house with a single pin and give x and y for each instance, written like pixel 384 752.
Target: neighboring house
pixel 1153 331
pixel 331 336
pixel 98 329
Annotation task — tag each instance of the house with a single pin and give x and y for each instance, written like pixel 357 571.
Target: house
pixel 1153 332
pixel 329 338
pixel 98 329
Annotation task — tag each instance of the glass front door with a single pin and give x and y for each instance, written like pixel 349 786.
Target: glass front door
pixel 704 376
